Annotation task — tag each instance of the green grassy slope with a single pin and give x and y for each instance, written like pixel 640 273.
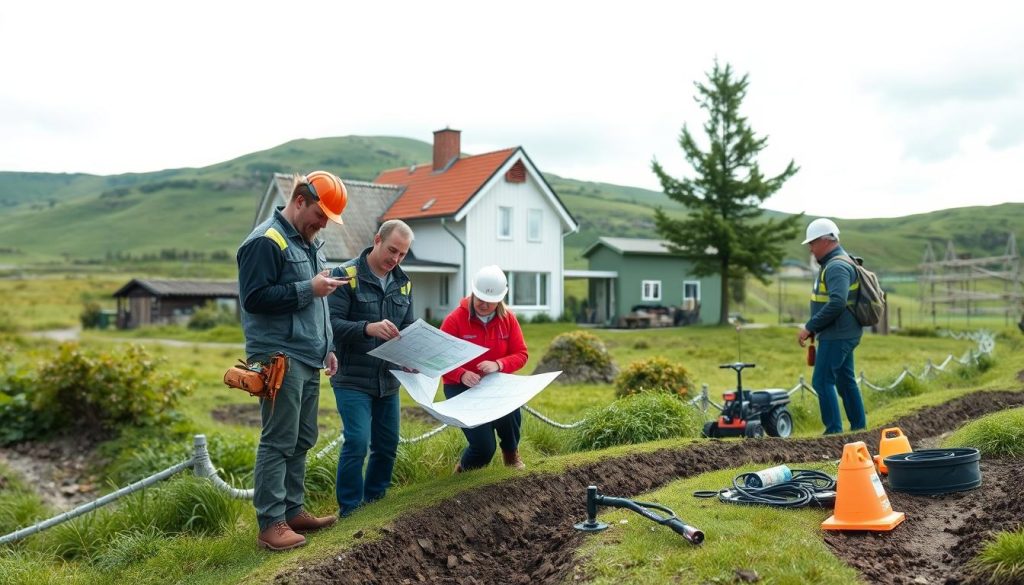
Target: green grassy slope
pixel 58 218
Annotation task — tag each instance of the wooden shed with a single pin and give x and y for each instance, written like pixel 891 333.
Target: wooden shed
pixel 163 302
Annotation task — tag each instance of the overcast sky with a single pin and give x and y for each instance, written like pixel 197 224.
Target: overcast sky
pixel 889 108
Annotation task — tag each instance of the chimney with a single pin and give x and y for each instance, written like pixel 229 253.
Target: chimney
pixel 446 148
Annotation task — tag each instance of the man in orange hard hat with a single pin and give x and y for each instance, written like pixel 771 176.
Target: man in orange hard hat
pixel 283 283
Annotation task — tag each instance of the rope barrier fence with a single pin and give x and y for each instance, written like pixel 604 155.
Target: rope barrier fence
pixel 202 466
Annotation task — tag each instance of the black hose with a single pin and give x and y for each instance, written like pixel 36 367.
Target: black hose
pixel 806 488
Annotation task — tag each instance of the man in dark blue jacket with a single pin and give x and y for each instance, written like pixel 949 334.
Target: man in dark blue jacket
pixel 374 306
pixel 836 329
pixel 282 283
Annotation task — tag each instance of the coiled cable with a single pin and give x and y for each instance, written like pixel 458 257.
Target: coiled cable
pixel 807 487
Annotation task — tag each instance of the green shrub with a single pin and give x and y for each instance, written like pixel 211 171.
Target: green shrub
pixel 1001 561
pixel 234 455
pixel 97 391
pixel 909 386
pixel 211 315
pixel 195 506
pixel 580 356
pixel 541 318
pixel 644 417
pixel 91 315
pixel 656 374
pixel 998 434
pixel 976 367
pixel 18 420
pixel 434 457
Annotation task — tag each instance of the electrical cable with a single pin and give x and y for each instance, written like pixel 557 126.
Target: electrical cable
pixel 807 487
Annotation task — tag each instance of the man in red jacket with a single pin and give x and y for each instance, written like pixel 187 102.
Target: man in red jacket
pixel 482 318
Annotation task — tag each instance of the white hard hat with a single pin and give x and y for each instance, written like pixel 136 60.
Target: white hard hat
pixel 821 227
pixel 490 284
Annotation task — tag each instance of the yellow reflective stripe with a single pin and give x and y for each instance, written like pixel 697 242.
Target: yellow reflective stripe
pixel 406 288
pixel 277 237
pixel 819 298
pixel 351 271
pixel 824 289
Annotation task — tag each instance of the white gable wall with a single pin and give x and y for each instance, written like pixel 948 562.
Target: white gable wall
pixel 517 254
pixel 432 242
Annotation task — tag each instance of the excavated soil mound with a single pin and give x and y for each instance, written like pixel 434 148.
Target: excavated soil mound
pixel 521 531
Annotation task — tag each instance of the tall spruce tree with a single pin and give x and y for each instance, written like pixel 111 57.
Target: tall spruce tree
pixel 724 232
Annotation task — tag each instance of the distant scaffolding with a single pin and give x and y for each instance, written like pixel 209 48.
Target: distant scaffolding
pixel 972 286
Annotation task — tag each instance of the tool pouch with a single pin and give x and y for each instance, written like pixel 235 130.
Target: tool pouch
pixel 262 380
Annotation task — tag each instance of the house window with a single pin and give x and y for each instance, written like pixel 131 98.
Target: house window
pixel 528 289
pixel 691 291
pixel 533 225
pixel 443 297
pixel 505 223
pixel 651 290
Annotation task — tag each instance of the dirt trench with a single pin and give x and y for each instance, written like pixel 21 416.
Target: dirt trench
pixel 521 531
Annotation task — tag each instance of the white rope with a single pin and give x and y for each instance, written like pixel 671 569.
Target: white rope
pixel 551 422
pixel 424 436
pixel 204 468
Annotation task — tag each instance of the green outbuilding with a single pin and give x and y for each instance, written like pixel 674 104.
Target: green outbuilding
pixel 637 273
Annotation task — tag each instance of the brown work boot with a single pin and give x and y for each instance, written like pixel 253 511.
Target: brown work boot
pixel 304 522
pixel 512 459
pixel 279 536
pixel 458 467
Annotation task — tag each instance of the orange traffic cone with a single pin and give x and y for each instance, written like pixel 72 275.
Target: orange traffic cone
pixel 861 503
pixel 891 445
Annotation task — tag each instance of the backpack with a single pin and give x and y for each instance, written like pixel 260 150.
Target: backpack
pixel 869 306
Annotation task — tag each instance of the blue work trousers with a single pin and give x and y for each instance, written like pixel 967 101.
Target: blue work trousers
pixel 481 439
pixel 289 430
pixel 834 373
pixel 370 425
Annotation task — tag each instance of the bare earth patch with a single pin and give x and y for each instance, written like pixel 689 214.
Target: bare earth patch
pixel 521 531
pixel 56 469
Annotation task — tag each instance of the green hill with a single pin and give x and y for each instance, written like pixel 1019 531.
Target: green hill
pixel 198 213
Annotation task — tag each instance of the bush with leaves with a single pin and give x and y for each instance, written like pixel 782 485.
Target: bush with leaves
pixel 91 315
pixel 656 374
pixel 637 419
pixel 580 356
pixel 211 315
pixel 88 392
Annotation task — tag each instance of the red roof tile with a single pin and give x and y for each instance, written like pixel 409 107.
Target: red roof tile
pixel 451 189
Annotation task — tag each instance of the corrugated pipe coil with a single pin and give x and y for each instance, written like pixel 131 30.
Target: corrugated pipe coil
pixel 935 471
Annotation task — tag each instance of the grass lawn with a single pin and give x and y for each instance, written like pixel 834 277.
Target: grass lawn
pixel 423 472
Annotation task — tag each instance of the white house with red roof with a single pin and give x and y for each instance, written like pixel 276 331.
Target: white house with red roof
pixel 466 212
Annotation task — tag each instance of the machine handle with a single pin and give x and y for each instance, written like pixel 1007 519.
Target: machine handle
pixel 736 366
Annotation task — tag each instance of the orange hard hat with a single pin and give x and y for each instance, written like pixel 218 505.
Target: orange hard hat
pixel 330 193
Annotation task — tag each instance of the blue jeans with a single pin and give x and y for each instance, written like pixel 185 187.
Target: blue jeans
pixel 288 431
pixel 481 439
pixel 834 372
pixel 370 424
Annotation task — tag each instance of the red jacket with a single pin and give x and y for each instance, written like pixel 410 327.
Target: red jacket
pixel 501 336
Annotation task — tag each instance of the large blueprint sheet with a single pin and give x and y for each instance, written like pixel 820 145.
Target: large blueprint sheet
pixel 495 396
pixel 427 349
